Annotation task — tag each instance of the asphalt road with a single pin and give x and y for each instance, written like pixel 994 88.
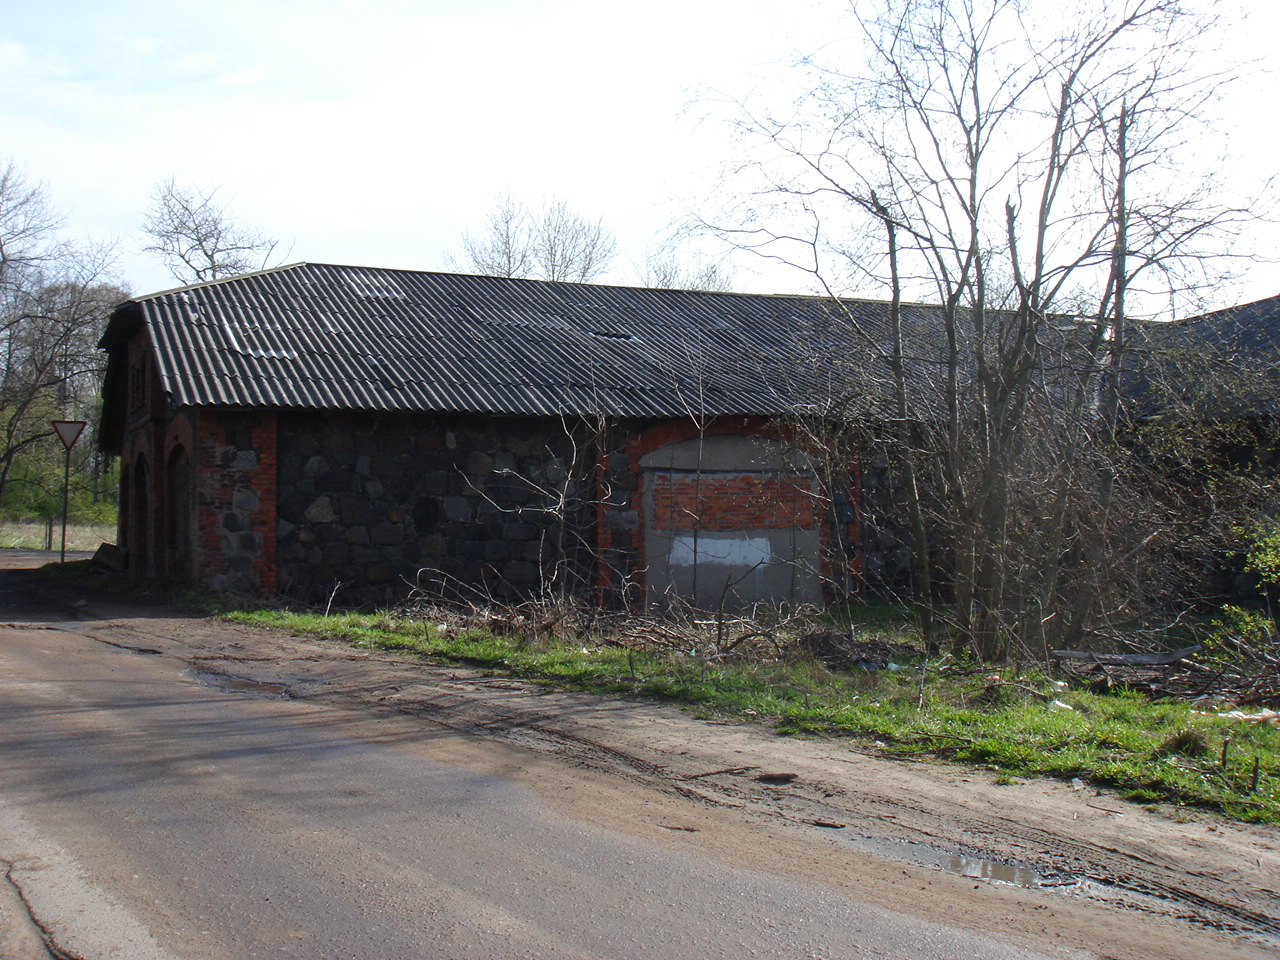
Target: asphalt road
pixel 145 813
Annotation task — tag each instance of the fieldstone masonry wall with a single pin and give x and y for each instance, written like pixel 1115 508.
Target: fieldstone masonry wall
pixel 374 501
pixel 361 507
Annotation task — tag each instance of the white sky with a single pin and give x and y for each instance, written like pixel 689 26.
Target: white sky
pixel 375 132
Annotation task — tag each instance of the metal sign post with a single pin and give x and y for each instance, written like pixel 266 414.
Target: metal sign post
pixel 68 432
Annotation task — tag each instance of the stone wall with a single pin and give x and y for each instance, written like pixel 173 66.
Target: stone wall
pixel 364 507
pixel 370 504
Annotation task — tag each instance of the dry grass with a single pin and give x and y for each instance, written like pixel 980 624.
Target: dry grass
pixel 36 536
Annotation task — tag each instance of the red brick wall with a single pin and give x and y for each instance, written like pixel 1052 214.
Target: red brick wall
pixel 673 431
pixel 747 501
pixel 138 531
pixel 735 502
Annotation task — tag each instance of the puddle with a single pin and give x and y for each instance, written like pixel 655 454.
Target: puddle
pixel 978 868
pixel 251 688
pixel 1077 886
pixel 993 870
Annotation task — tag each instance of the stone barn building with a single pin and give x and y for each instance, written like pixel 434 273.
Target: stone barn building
pixel 317 430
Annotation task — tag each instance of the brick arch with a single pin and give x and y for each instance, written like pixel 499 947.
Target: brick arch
pixel 674 431
pixel 179 434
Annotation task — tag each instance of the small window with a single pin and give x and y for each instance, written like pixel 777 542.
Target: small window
pixel 138 382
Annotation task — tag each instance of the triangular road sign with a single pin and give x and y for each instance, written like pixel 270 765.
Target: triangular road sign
pixel 69 431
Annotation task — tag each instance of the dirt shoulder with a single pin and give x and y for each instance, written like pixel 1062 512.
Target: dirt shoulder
pixel 1037 861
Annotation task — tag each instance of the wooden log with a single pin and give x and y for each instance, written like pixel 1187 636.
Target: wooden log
pixel 1126 659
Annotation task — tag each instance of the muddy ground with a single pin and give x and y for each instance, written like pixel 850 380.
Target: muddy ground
pixel 1036 861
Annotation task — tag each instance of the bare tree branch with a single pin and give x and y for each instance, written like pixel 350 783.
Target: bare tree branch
pixel 196 237
pixel 54 298
pixel 668 268
pixel 28 224
pixel 555 243
pixel 1033 182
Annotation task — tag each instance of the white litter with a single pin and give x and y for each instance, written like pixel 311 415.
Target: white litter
pixel 1262 716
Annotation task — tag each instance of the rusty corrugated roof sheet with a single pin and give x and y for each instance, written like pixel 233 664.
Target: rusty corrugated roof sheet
pixel 336 337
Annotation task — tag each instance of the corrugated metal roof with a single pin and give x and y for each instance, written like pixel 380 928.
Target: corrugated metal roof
pixel 1252 329
pixel 1220 364
pixel 338 337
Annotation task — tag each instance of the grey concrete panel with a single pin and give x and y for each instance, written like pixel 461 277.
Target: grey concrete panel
pixel 739 454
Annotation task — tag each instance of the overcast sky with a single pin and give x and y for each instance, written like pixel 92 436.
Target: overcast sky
pixel 375 132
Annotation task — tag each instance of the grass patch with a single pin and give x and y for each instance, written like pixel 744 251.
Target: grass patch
pixel 34 535
pixel 1151 751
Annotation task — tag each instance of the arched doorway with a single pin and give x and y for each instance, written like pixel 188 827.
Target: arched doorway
pixel 138 542
pixel 179 546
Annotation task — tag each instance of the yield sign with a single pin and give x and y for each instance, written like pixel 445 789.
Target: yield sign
pixel 69 431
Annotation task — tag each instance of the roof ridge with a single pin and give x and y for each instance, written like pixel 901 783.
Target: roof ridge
pixel 217 281
pixel 281 268
pixel 1231 310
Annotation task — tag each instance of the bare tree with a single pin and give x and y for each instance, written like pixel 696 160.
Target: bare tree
pixel 197 238
pixel 54 298
pixel 669 268
pixel 553 243
pixel 1029 177
pixel 504 248
pixel 52 368
pixel 28 225
pixel 567 246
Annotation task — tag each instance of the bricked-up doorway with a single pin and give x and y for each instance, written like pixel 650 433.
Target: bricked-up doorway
pixel 730 521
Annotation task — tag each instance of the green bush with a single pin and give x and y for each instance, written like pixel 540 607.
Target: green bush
pixel 1233 623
